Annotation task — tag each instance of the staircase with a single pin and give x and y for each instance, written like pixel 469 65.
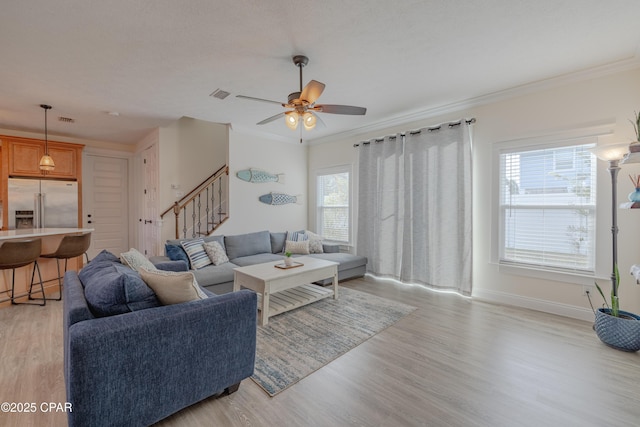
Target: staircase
pixel 204 208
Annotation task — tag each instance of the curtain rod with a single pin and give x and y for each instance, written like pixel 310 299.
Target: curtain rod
pixel 416 132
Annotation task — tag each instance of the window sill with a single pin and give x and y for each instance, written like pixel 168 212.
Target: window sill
pixel 553 275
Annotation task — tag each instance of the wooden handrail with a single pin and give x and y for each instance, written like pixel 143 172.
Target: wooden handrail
pixel 177 205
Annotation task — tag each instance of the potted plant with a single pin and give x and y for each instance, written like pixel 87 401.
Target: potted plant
pixel 617 328
pixel 288 261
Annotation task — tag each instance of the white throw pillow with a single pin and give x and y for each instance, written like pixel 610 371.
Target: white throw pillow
pixel 301 248
pixel 135 260
pixel 315 242
pixel 172 287
pixel 216 253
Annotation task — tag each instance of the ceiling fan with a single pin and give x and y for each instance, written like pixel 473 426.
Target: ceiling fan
pixel 302 104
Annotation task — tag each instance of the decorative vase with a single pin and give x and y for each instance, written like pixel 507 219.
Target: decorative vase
pixel 288 261
pixel 621 333
pixel 634 196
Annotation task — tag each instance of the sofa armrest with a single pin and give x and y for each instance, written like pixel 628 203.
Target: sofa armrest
pixel 330 248
pixel 138 368
pixel 177 265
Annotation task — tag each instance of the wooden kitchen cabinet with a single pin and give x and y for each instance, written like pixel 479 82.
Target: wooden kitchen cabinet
pixel 24 158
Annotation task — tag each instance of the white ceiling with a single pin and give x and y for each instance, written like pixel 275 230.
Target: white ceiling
pixel 154 61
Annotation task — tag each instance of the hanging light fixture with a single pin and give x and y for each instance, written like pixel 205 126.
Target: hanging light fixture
pixel 46 162
pixel 309 120
pixel 291 119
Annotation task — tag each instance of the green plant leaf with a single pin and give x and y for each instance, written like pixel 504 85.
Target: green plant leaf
pixel 601 293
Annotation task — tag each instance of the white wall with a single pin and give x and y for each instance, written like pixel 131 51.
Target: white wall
pixel 247 214
pixel 190 150
pixel 609 101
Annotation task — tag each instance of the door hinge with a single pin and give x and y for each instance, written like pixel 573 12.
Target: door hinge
pixel 145 191
pixel 145 161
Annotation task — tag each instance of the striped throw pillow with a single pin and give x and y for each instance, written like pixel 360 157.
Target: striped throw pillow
pixel 196 253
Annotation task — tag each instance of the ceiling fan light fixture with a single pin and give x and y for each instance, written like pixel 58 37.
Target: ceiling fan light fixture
pixel 309 120
pixel 291 119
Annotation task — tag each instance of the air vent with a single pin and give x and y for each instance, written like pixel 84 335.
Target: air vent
pixel 220 94
pixel 66 119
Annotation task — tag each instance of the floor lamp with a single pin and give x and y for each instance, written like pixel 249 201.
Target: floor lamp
pixel 613 154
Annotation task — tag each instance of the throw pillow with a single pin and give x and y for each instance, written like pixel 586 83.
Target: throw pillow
pixel 176 253
pixel 172 287
pixel 216 253
pixel 111 288
pixel 297 236
pixel 301 248
pixel 134 259
pixel 196 253
pixel 315 242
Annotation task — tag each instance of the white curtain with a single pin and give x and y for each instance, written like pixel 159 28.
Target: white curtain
pixel 414 207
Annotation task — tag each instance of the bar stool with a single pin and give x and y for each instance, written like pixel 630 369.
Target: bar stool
pixel 71 246
pixel 19 253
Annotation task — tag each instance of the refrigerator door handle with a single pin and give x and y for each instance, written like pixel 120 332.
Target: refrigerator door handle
pixel 38 211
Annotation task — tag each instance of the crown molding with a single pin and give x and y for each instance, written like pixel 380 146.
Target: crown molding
pixel 540 85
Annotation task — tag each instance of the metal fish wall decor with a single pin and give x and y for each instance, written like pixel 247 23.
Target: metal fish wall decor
pixel 257 176
pixel 280 199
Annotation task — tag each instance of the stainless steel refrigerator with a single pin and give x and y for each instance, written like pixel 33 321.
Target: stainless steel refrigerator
pixel 35 203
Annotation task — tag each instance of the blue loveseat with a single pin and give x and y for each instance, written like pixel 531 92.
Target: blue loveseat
pixel 135 362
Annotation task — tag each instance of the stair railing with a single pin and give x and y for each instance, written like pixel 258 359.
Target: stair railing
pixel 204 208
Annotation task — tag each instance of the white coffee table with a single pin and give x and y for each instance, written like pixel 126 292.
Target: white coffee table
pixel 282 290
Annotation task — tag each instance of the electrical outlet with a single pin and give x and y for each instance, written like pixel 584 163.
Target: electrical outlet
pixel 587 289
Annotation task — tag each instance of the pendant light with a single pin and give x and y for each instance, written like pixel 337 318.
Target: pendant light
pixel 46 162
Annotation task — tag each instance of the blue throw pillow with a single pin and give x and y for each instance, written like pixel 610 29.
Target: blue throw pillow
pixel 111 288
pixel 176 253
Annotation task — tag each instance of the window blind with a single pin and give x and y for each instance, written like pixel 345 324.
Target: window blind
pixel 333 206
pixel 547 207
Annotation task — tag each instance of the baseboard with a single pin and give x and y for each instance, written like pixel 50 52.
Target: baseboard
pixel 566 310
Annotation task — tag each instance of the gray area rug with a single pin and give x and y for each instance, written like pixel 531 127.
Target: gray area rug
pixel 299 342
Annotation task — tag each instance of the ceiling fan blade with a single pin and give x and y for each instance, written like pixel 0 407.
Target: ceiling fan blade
pixel 270 119
pixel 312 91
pixel 251 98
pixel 340 109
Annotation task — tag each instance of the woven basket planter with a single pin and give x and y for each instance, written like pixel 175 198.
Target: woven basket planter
pixel 618 332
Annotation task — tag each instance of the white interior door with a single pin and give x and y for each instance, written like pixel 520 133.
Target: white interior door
pixel 149 221
pixel 105 203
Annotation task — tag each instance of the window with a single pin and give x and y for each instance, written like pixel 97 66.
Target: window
pixel 334 197
pixel 547 206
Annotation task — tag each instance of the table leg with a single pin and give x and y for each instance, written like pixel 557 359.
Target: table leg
pixel 264 309
pixel 236 283
pixel 335 285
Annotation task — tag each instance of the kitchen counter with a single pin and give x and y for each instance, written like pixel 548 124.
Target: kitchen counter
pixel 26 233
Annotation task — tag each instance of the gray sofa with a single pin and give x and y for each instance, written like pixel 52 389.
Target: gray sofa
pixel 255 248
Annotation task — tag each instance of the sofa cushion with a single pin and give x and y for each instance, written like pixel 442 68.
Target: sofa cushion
pixel 111 288
pixel 196 253
pixel 215 274
pixel 134 259
pixel 277 242
pixel 256 259
pixel 173 287
pixel 247 244
pixel 215 253
pixel 105 255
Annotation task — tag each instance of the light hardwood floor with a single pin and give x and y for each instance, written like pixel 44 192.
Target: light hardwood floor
pixel 452 362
